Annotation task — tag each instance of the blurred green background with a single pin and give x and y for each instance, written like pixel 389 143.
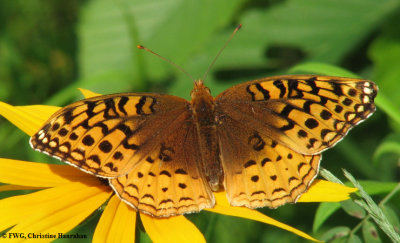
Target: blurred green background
pixel 50 48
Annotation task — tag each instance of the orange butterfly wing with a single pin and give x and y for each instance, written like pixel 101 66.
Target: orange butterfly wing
pixel 272 130
pixel 144 143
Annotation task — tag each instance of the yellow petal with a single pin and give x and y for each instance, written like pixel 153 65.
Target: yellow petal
pixel 32 174
pixel 16 209
pixel 222 206
pixel 88 93
pixel 174 229
pixel 65 208
pixel 27 118
pixel 326 191
pixel 117 223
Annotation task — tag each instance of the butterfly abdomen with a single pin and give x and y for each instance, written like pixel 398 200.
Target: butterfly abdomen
pixel 203 106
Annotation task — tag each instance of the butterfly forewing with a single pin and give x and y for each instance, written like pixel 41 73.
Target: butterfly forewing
pixel 108 135
pixel 305 113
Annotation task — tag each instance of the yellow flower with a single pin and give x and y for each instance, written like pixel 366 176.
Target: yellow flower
pixel 64 197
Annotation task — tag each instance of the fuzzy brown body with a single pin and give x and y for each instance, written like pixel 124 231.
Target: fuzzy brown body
pixel 203 107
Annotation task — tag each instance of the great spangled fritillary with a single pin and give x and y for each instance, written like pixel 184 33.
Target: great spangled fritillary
pixel 163 155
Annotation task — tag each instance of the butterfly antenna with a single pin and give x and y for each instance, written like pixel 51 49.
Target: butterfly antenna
pixel 167 60
pixel 220 51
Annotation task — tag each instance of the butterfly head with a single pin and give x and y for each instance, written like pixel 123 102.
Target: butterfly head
pixel 200 90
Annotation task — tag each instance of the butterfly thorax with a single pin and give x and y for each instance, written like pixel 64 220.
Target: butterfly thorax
pixel 203 106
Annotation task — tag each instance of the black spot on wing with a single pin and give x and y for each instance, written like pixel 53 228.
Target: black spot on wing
pixel 255 178
pixel 278 190
pixel 181 171
pixel 68 116
pixel 88 140
pixel 55 126
pixel 150 160
pixel 118 155
pixel 326 115
pixel 121 104
pixel 63 132
pixel 264 161
pixel 347 102
pixel 147 196
pixel 164 172
pixel 286 111
pixel 311 123
pixel 165 201
pixel 249 163
pixel 302 133
pixel 263 91
pixel 256 142
pixel 278 83
pixel 105 146
pixel 338 109
pixel 288 126
pixel 110 106
pixel 95 159
pixel 140 104
pixel 258 192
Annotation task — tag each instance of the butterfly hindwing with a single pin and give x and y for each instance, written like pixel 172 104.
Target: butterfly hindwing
pixel 306 113
pixel 258 170
pixel 168 182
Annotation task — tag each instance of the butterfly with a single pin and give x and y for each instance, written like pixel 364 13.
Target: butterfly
pixel 260 141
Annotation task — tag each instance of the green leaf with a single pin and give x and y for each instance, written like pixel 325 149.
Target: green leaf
pixel 377 187
pixel 391 144
pixel 370 233
pixel 246 228
pixel 373 210
pixel 99 84
pixel 329 176
pixel 143 237
pixel 106 41
pixel 354 152
pixel 321 68
pixel 392 216
pixel 385 52
pixel 387 105
pixel 335 233
pixel 242 53
pixel 354 239
pixel 353 209
pixel 322 32
pixel 172 28
pixel 326 30
pixel 324 211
